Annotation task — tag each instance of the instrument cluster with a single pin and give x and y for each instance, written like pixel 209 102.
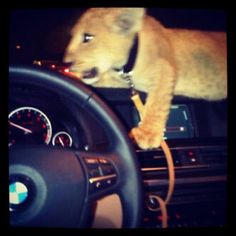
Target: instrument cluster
pixel 30 125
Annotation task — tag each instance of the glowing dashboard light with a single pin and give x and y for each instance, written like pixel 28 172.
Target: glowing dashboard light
pixel 53 66
pixel 66 70
pixel 35 62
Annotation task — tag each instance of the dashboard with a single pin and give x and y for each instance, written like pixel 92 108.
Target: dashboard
pixel 37 117
pixel 196 133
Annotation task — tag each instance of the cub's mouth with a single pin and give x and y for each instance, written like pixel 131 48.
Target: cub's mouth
pixel 87 76
pixel 90 76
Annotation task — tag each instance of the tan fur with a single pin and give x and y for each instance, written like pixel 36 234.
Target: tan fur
pixel 169 62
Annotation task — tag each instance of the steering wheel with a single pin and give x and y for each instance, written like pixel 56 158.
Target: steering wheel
pixel 59 185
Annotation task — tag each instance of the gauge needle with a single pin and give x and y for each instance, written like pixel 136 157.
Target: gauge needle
pixel 20 127
pixel 61 142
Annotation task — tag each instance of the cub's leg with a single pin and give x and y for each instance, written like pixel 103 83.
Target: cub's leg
pixel 149 133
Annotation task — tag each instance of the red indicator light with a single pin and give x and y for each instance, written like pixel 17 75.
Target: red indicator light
pixel 66 70
pixel 190 153
pixel 177 216
pixel 160 218
pixel 44 126
pixel 53 66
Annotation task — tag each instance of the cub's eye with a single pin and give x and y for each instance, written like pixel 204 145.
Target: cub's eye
pixel 87 38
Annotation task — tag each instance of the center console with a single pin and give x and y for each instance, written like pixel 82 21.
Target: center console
pixel 200 184
pixel 196 133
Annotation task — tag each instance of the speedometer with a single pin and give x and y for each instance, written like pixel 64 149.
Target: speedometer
pixel 28 125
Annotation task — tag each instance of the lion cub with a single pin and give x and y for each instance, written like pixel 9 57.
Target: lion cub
pixel 168 62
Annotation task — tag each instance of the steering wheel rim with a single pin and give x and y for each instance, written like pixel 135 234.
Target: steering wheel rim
pixel 121 154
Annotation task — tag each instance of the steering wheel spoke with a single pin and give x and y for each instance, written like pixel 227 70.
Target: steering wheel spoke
pixel 50 177
pixel 102 173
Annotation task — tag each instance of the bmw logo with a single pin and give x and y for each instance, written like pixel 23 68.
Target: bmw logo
pixel 20 193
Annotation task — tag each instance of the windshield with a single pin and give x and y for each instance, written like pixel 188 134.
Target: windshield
pixel 42 34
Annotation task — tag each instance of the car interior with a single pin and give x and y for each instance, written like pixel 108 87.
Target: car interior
pixel 75 165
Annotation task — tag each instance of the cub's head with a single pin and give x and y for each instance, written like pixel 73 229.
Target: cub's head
pixel 101 40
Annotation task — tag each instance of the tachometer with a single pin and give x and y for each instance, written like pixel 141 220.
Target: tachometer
pixel 28 125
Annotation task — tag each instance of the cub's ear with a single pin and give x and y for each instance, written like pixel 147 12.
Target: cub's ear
pixel 125 20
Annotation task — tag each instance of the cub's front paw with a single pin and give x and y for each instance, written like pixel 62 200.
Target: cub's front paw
pixel 146 139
